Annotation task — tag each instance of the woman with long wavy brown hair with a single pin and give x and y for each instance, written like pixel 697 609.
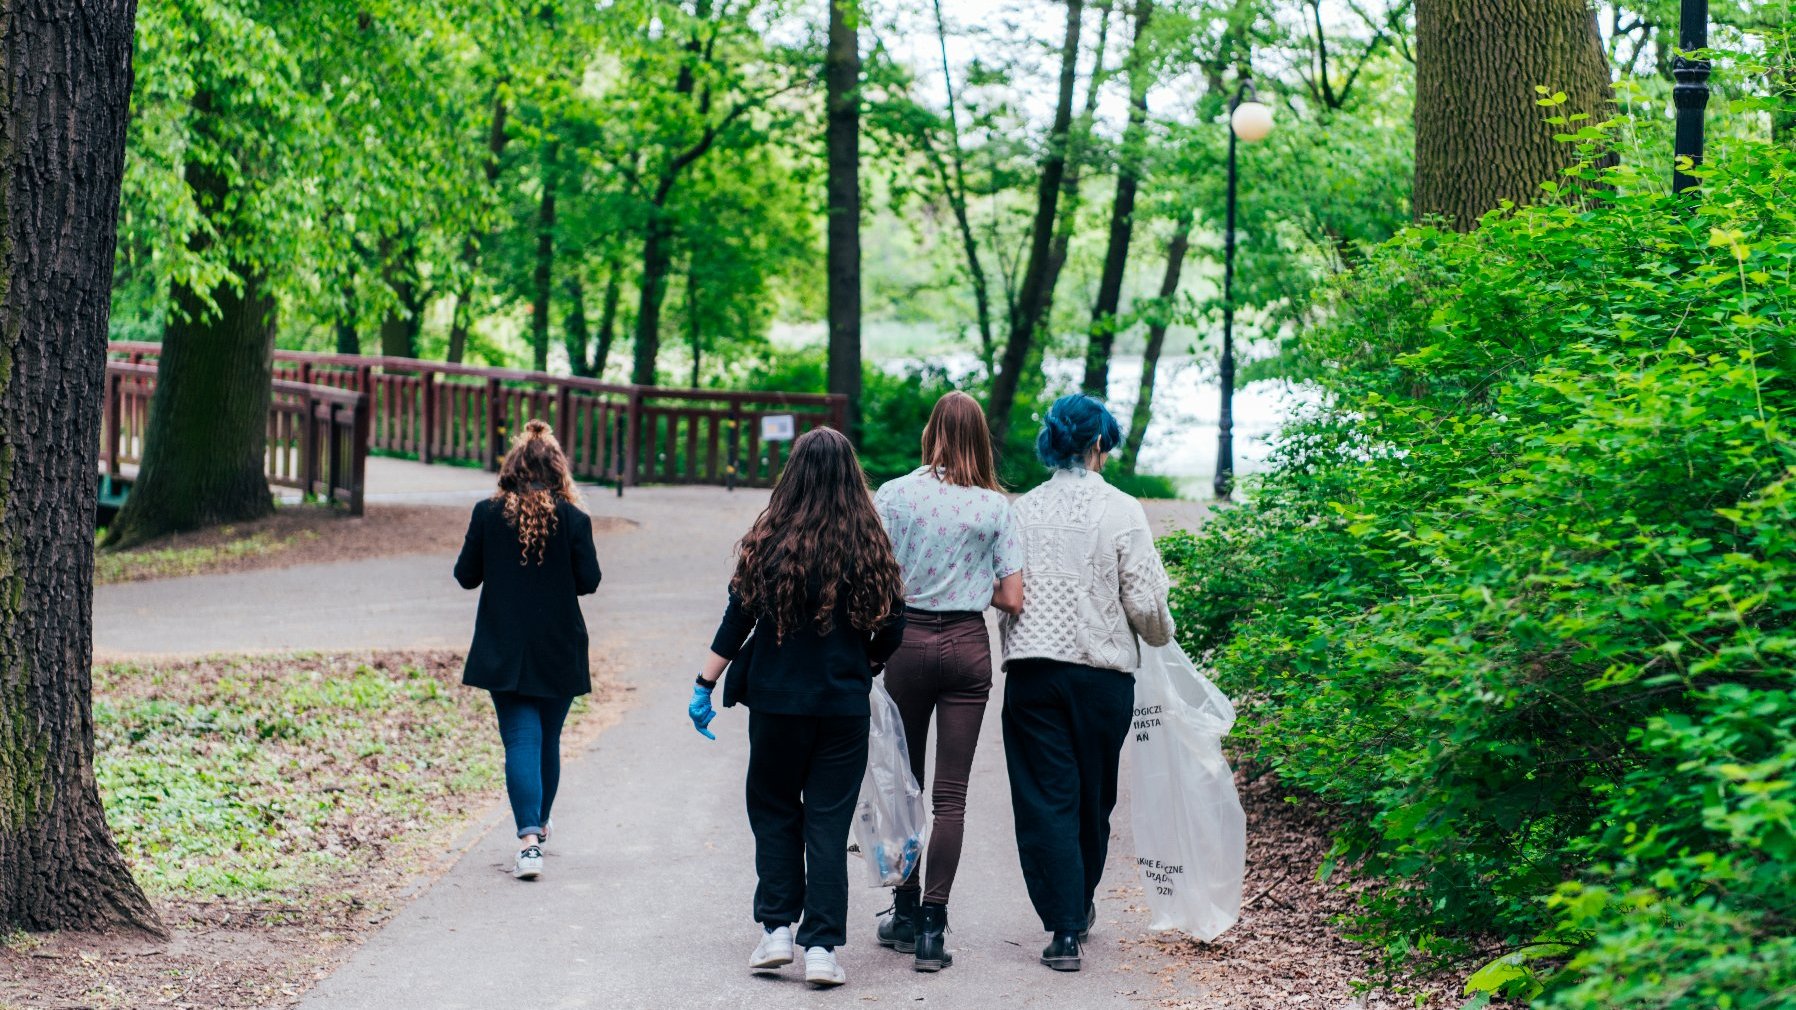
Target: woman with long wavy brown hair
pixel 529 547
pixel 816 606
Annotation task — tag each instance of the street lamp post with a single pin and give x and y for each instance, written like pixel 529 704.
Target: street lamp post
pixel 1691 92
pixel 1249 120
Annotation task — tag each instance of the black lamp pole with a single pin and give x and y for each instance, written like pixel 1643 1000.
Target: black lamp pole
pixel 1225 419
pixel 1691 92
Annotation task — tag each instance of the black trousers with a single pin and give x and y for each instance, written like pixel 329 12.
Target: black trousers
pixel 804 778
pixel 1064 727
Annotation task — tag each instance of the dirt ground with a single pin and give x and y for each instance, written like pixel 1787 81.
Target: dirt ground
pixel 299 535
pixel 225 953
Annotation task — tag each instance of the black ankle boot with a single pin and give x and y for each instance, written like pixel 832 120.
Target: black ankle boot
pixel 898 928
pixel 1063 953
pixel 1091 919
pixel 932 940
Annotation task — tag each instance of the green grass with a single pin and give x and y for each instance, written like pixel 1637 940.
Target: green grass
pixel 262 776
pixel 169 562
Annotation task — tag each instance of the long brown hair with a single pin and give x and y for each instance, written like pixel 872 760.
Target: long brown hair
pixel 817 538
pixel 958 444
pixel 533 477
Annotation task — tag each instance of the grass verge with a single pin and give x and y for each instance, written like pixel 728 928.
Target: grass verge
pixel 275 808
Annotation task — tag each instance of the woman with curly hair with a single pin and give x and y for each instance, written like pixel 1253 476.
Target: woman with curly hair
pixel 816 607
pixel 529 547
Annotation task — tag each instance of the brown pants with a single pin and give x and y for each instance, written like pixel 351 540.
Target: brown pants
pixel 944 667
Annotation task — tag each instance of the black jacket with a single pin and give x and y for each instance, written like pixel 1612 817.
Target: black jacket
pixel 529 635
pixel 807 674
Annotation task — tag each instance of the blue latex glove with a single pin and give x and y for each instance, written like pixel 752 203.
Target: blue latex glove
pixel 701 711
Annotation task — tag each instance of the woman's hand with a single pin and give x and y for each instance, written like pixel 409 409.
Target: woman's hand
pixel 700 708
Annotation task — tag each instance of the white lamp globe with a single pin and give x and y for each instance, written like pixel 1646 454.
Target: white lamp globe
pixel 1252 121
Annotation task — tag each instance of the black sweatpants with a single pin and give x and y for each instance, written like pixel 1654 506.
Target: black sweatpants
pixel 1064 727
pixel 804 777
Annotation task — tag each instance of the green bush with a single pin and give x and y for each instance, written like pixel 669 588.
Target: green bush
pixel 1518 602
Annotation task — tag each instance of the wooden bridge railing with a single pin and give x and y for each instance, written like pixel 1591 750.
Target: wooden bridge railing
pixel 317 434
pixel 632 435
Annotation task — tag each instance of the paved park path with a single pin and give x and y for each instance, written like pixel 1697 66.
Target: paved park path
pixel 645 902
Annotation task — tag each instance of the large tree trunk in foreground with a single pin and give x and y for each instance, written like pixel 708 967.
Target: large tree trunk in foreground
pixel 1102 337
pixel 1480 137
pixel 1156 342
pixel 1034 289
pixel 575 334
pixel 842 79
pixel 65 90
pixel 208 431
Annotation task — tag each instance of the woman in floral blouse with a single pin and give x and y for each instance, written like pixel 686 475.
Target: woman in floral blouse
pixel 955 539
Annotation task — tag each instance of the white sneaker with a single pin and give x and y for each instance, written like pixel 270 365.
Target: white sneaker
pixel 530 863
pixel 821 969
pixel 774 951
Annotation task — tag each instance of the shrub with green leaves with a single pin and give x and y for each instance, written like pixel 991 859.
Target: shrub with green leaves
pixel 1518 602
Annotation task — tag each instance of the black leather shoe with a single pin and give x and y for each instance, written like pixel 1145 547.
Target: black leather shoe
pixel 932 940
pixel 1063 953
pixel 898 927
pixel 1091 919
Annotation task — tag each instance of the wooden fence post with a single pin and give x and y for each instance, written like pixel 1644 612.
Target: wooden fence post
pixel 308 448
pixel 359 466
pixel 564 419
pixel 495 425
pixel 427 439
pixel 115 395
pixel 633 439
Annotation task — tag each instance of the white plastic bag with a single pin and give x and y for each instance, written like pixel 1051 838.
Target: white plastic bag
pixel 1190 833
pixel 890 819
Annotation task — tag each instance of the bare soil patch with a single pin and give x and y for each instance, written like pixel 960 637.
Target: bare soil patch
pixel 277 809
pixel 300 535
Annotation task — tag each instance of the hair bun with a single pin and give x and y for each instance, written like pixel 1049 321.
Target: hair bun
pixel 537 428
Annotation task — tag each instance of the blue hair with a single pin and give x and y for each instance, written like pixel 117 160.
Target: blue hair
pixel 1069 428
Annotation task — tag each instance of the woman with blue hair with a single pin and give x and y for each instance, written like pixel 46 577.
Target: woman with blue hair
pixel 1094 589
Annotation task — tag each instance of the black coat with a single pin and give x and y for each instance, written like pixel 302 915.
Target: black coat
pixel 809 673
pixel 529 635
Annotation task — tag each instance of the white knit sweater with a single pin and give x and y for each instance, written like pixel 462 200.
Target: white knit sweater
pixel 1092 578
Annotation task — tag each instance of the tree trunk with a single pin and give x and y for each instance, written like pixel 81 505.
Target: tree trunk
pixel 65 93
pixel 1122 213
pixel 1480 137
pixel 576 336
pixel 1034 292
pixel 470 250
pixel 1156 342
pixel 399 327
pixel 545 262
pixel 1078 152
pixel 657 258
pixel 842 79
pixel 694 330
pixel 203 458
pixel 955 185
pixel 607 323
pixel 349 341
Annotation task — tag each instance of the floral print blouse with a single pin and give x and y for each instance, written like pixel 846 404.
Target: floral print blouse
pixel 951 541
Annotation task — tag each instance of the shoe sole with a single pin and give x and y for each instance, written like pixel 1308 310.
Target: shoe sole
pixel 526 874
pixel 1062 963
pixel 823 983
pixel 900 947
pixel 932 966
pixel 771 964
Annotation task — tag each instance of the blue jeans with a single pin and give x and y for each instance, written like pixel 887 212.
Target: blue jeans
pixel 531 731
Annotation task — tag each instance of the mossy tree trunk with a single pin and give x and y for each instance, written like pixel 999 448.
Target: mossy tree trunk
pixel 1480 136
pixel 65 91
pixel 203 458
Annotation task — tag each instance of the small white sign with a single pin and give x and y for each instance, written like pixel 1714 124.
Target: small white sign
pixel 777 428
